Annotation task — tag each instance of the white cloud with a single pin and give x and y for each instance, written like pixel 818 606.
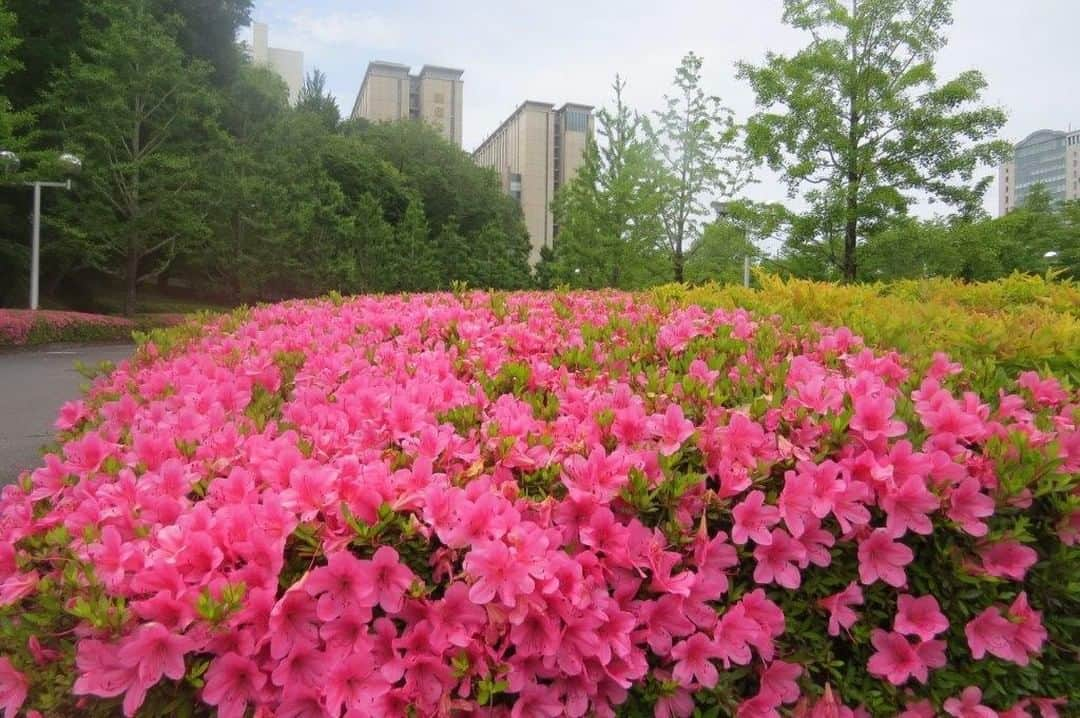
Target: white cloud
pixel 309 29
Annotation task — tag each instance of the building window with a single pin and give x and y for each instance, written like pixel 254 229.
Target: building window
pixel 577 120
pixel 440 98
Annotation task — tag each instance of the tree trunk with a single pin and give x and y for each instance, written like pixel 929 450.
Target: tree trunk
pixel 851 229
pixel 678 262
pixel 851 215
pixel 131 276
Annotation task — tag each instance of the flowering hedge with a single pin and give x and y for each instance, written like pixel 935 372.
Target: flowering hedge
pixel 20 327
pixel 543 505
pixel 996 329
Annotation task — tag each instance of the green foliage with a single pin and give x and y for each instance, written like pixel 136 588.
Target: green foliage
pixel 609 215
pixel 315 98
pixel 996 329
pixel 696 142
pixel 137 109
pixel 860 117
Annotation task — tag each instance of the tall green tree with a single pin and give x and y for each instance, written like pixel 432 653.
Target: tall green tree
pixel 860 117
pixel 720 252
pixel 696 139
pixel 610 214
pixel 316 99
pixel 140 110
pixel 207 31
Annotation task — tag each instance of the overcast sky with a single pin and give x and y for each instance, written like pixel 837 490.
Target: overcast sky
pixel 569 50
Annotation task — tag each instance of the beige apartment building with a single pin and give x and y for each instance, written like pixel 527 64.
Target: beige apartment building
pixel 1047 157
pixel 389 93
pixel 536 150
pixel 289 64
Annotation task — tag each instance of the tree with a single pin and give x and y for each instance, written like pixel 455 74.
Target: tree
pixel 139 110
pixel 208 31
pixel 696 139
pixel 719 254
pixel 860 116
pixel 316 99
pixel 609 215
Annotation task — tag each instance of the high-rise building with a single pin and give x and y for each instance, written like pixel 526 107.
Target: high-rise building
pixel 536 150
pixel 287 63
pixel 389 93
pixel 1047 157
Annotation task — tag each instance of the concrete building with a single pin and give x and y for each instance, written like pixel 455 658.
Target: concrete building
pixel 287 63
pixel 536 150
pixel 1047 157
pixel 389 93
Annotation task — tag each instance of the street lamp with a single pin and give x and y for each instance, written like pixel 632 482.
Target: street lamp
pixel 70 164
pixel 723 210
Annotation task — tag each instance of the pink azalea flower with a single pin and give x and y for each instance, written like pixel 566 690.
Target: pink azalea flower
pixel 752 520
pixel 354 684
pixel 293 620
pixel 990 632
pixel 919 709
pixel 693 661
pixel 880 557
pixel 967 505
pixel 907 507
pixel 232 681
pixel 672 429
pixel 390 578
pixel 153 651
pixel 779 560
pixel 1008 559
pixel 840 615
pixel 897 660
pixel 920 617
pixel 763 705
pixel 13 688
pixel 536 701
pixel 343 584
pixel 873 418
pixel 969 705
pixel 779 679
pixel 1030 632
pixel 497 571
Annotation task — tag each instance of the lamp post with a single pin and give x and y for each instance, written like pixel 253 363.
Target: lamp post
pixel 70 164
pixel 722 210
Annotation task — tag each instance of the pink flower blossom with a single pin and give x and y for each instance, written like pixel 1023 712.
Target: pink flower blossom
pixel 969 705
pixel 672 429
pixel 838 606
pixel 921 617
pixel 779 560
pixel 693 661
pixel 873 418
pixel 752 520
pixel 897 660
pixel 13 688
pixel 232 681
pixel 779 679
pixel 1008 559
pixel 967 505
pixel 344 583
pixel 497 572
pixel 880 557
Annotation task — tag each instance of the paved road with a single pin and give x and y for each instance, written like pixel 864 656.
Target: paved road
pixel 34 383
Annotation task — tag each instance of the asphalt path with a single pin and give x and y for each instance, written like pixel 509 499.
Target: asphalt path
pixel 34 383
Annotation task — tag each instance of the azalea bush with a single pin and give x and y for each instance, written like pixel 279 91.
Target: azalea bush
pixel 542 505
pixel 19 327
pixel 997 330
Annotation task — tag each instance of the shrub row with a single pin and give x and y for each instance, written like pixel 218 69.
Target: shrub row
pixel 996 329
pixel 544 505
pixel 23 327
